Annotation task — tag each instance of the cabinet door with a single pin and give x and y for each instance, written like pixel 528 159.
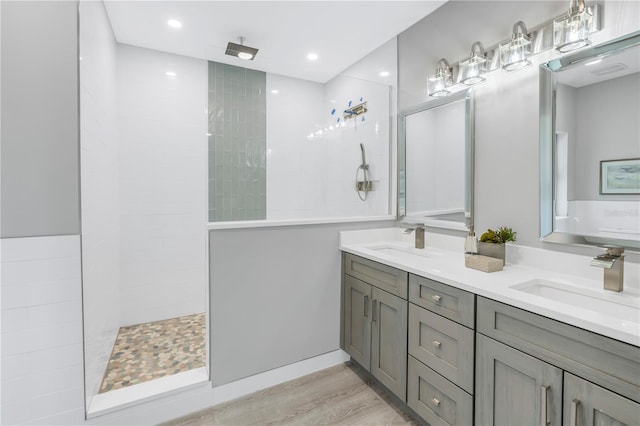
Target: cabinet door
pixel 389 341
pixel 513 388
pixel 357 325
pixel 588 404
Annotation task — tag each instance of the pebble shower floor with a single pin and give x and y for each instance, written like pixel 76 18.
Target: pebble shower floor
pixel 149 351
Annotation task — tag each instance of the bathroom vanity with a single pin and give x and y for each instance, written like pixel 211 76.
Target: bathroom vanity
pixel 462 347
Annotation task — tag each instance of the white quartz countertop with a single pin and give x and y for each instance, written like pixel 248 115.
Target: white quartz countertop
pixel 443 260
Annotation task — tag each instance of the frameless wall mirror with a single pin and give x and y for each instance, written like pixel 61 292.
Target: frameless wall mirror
pixel 435 163
pixel 590 146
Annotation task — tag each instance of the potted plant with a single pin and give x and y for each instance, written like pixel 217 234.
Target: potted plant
pixel 492 243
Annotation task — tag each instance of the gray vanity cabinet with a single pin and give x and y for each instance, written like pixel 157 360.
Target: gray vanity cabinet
pixel 441 352
pixel 514 388
pixel 375 321
pixel 589 404
pixel 539 365
pixel 389 341
pixel 357 323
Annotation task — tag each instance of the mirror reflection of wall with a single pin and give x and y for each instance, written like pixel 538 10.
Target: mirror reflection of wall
pixel 584 139
pixel 435 163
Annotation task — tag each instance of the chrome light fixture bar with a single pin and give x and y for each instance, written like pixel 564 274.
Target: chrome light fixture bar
pixel 515 53
pixel 439 83
pixel 472 70
pixel 571 31
pixel 541 39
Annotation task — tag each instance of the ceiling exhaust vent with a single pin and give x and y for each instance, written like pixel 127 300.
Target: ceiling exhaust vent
pixel 241 51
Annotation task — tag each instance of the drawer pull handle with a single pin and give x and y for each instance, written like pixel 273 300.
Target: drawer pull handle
pixel 435 401
pixel 544 409
pixel 574 412
pixel 436 344
pixel 436 298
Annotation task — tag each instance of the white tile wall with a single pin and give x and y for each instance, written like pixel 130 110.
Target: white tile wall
pixel 41 353
pixel 162 184
pixel 315 177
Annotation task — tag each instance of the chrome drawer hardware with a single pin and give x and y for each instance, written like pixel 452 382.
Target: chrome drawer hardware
pixel 435 401
pixel 436 344
pixel 544 408
pixel 436 298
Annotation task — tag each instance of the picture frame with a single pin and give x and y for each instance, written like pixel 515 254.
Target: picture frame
pixel 620 177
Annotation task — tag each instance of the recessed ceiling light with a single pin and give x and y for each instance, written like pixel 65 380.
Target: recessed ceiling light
pixel 170 74
pixel 174 23
pixel 384 73
pixel 312 56
pixel 275 91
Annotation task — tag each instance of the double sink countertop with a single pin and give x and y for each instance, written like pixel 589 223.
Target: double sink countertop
pixel 557 285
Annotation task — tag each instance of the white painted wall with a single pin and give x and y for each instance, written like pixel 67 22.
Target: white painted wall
pixel 100 201
pixel 163 177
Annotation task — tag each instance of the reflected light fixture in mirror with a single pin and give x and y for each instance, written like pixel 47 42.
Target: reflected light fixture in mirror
pixel 473 69
pixel 439 83
pixel 515 53
pixel 571 31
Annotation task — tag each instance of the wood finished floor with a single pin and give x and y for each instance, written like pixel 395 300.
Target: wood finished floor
pixel 339 395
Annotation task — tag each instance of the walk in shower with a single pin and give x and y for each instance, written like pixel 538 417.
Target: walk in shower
pixel 172 146
pixel 143 189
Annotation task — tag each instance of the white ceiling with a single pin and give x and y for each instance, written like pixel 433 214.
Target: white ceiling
pixel 340 32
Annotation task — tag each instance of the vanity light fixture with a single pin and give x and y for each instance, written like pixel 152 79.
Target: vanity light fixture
pixel 439 83
pixel 515 53
pixel 571 31
pixel 240 50
pixel 472 70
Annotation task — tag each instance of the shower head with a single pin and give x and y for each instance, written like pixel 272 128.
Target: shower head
pixel 241 51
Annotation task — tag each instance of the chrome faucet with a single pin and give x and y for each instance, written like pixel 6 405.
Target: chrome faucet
pixel 419 234
pixel 613 263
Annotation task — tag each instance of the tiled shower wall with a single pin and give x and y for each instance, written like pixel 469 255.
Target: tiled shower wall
pixel 237 143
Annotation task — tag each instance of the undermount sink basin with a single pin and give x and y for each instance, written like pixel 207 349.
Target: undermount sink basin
pixel 618 305
pixel 403 251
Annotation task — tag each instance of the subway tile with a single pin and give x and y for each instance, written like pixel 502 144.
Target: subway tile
pixel 71 417
pixel 55 403
pixel 56 357
pixel 14 413
pixel 14 366
pixel 19 249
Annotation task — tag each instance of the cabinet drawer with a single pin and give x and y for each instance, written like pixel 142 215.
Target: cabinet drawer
pixel 443 345
pixel 609 362
pixel 382 276
pixel 450 302
pixel 435 399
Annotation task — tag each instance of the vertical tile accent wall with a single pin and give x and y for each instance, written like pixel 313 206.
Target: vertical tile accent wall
pixel 237 143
